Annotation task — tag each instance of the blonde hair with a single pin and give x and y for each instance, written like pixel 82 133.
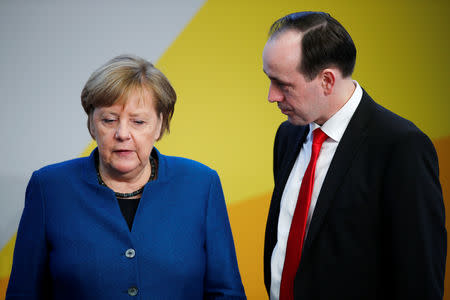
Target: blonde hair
pixel 112 82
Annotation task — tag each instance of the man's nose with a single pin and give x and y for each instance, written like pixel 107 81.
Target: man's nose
pixel 275 94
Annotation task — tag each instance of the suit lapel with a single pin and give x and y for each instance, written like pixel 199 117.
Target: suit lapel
pixel 291 156
pixel 287 153
pixel 354 135
pixel 287 147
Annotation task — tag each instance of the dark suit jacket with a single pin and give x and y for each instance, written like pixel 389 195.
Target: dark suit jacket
pixel 378 229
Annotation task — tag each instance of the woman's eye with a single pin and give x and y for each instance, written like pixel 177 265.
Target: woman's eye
pixel 139 122
pixel 107 121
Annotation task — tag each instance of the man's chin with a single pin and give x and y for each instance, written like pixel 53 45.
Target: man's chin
pixel 294 120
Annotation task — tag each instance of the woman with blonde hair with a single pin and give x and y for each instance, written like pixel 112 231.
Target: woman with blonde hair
pixel 127 221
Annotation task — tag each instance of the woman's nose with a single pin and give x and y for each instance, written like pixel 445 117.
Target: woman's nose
pixel 122 131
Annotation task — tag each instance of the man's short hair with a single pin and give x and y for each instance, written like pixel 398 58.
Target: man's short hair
pixel 325 42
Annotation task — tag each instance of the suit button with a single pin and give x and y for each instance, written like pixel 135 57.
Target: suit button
pixel 132 291
pixel 130 253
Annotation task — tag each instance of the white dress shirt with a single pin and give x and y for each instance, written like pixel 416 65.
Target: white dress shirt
pixel 334 128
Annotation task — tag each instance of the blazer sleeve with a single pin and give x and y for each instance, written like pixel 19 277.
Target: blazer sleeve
pixel 414 220
pixel 222 279
pixel 29 275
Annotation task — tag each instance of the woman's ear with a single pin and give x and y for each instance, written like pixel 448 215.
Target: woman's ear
pixel 90 125
pixel 158 132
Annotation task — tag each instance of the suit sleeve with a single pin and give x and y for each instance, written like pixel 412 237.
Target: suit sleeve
pixel 222 279
pixel 415 221
pixel 29 275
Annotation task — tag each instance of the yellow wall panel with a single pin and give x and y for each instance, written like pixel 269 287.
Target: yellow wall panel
pixel 222 117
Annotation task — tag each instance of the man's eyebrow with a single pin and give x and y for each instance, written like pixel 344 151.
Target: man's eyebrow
pixel 277 80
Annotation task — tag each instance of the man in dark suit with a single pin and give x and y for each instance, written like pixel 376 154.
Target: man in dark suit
pixel 357 209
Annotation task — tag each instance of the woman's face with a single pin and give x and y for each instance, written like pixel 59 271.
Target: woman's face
pixel 125 133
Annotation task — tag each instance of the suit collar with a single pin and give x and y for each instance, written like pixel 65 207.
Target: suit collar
pixel 354 135
pixel 335 126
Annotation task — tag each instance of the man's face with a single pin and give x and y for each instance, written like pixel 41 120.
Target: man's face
pixel 297 97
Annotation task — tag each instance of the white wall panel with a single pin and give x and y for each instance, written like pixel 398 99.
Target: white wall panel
pixel 48 49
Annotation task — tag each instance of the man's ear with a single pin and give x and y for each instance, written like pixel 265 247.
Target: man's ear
pixel 328 79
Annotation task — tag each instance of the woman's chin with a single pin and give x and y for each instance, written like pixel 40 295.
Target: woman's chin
pixel 124 168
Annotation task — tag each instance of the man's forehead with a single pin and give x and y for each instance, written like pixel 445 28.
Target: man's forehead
pixel 284 48
pixel 282 51
pixel 288 36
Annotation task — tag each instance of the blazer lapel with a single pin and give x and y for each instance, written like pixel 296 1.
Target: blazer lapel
pixel 354 135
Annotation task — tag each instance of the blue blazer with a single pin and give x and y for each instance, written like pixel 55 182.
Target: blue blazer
pixel 74 243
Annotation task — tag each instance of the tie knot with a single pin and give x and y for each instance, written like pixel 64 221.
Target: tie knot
pixel 319 136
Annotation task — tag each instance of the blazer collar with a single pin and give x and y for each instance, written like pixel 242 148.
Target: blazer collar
pixel 90 171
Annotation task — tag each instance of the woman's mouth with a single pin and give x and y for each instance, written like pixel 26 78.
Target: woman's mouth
pixel 123 152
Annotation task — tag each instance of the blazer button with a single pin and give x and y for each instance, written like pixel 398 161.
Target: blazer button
pixel 132 291
pixel 130 253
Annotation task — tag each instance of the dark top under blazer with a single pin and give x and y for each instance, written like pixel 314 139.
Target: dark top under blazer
pixel 72 237
pixel 378 229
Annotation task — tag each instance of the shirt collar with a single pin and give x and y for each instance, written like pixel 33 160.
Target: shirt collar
pixel 335 126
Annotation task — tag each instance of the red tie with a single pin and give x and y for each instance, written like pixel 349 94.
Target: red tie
pixel 298 225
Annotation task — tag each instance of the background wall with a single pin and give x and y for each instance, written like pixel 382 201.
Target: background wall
pixel 211 52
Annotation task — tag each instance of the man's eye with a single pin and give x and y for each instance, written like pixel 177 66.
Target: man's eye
pixel 283 86
pixel 138 122
pixel 107 121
